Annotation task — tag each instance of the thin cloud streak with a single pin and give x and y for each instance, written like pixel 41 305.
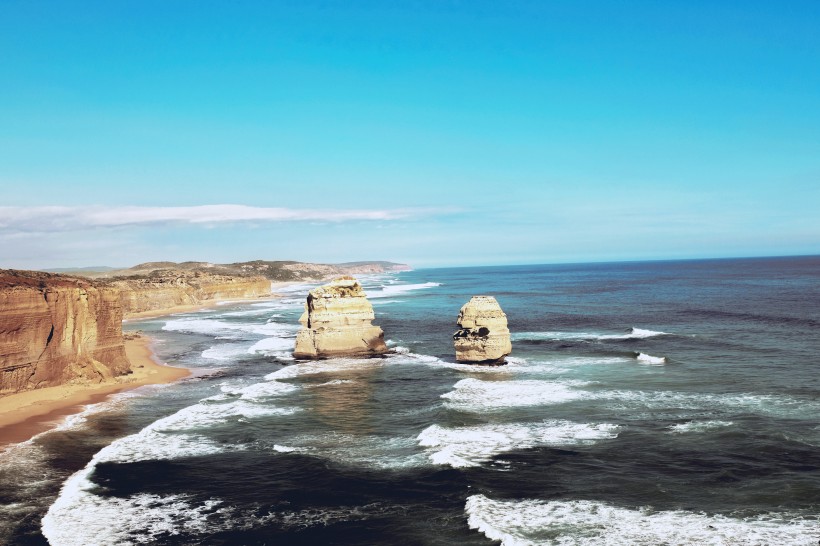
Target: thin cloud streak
pixel 49 219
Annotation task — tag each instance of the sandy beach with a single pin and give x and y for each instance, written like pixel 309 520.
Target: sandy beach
pixel 26 414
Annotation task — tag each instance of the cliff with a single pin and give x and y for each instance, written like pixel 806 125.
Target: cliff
pixel 337 322
pixel 169 288
pixel 56 329
pixel 483 335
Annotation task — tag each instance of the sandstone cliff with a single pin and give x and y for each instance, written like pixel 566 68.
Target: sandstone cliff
pixel 483 335
pixel 56 329
pixel 337 322
pixel 165 289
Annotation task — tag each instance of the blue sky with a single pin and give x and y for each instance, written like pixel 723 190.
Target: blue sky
pixel 433 133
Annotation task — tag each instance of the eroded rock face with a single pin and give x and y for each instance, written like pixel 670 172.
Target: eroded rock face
pixel 166 289
pixel 337 322
pixel 56 329
pixel 483 335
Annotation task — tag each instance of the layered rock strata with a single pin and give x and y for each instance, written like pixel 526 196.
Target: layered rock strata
pixel 56 329
pixel 483 336
pixel 338 322
pixel 166 289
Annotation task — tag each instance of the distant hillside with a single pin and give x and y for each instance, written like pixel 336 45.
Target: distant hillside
pixel 80 270
pixel 277 271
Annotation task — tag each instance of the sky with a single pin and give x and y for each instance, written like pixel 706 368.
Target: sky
pixel 434 133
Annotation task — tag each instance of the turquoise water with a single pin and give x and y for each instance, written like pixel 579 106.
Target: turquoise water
pixel 644 403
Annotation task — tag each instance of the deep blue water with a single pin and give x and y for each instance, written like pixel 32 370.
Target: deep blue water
pixel 644 403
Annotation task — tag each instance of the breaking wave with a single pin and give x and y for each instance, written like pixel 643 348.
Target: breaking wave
pixel 388 291
pixel 649 359
pixel 634 333
pixel 470 446
pixel 583 522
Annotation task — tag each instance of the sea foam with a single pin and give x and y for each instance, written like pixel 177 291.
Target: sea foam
pixel 651 360
pixel 475 395
pixel 699 426
pixel 588 523
pixel 634 333
pixel 470 446
pixel 392 290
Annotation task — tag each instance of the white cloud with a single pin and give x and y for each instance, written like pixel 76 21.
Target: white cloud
pixel 59 219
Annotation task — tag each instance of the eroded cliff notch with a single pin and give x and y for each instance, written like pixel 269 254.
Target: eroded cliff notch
pixel 338 322
pixel 483 336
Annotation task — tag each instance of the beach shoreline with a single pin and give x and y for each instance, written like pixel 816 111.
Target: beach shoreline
pixel 26 414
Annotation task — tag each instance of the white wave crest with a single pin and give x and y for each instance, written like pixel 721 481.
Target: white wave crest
pixel 228 330
pixel 535 522
pixel 331 366
pixel 699 426
pixel 634 333
pixel 652 360
pixel 476 395
pixel 273 346
pixel 139 519
pixel 470 446
pixel 392 290
pixel 225 352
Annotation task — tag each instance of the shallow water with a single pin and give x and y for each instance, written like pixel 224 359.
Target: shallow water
pixel 644 403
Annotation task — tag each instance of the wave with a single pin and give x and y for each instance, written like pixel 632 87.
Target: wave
pixel 273 346
pixel 138 519
pixel 387 291
pixel 478 396
pixel 634 333
pixel 475 395
pixel 649 359
pixel 699 426
pixel 515 364
pixel 365 451
pixel 537 522
pixel 330 366
pixel 228 330
pixel 470 446
pixel 79 513
pixel 225 352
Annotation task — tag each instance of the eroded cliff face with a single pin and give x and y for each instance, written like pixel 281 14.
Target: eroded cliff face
pixel 483 335
pixel 56 329
pixel 165 289
pixel 338 322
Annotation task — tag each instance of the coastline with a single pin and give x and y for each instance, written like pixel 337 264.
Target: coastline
pixel 24 415
pixel 209 304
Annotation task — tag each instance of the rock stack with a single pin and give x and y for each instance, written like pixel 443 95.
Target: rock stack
pixel 483 336
pixel 337 322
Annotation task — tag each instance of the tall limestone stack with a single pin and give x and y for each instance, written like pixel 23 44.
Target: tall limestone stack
pixel 483 335
pixel 337 322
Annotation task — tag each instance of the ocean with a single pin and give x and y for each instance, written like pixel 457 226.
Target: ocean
pixel 656 403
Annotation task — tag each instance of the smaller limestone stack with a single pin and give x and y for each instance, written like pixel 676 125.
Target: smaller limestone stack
pixel 483 335
pixel 337 322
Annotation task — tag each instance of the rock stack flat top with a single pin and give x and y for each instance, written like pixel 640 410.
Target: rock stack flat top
pixel 338 322
pixel 483 336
